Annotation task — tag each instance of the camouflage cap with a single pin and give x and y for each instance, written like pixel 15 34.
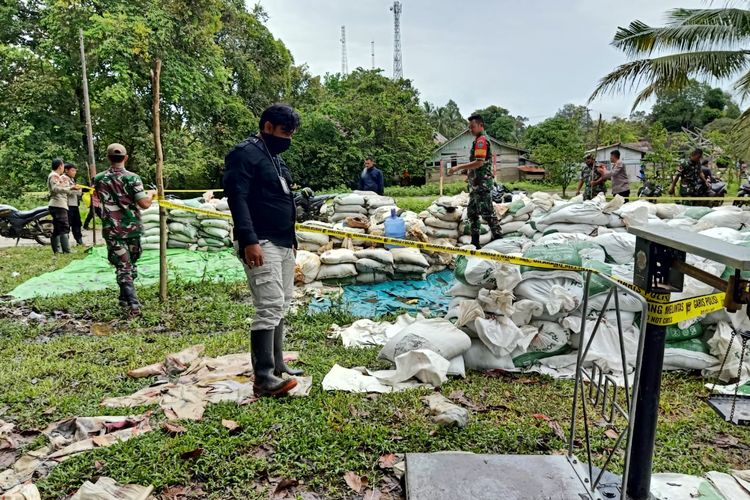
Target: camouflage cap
pixel 116 150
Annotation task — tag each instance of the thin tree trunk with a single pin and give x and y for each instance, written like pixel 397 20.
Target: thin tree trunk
pixel 155 84
pixel 89 131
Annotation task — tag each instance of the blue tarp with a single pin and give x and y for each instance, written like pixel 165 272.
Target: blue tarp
pixel 372 301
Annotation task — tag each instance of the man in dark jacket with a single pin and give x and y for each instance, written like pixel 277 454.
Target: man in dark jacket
pixel 371 178
pixel 258 184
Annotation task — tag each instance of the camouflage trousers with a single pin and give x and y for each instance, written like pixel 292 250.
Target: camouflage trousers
pixel 480 204
pixel 124 254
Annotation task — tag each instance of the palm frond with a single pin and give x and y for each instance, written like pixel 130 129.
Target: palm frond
pixel 742 133
pixel 671 72
pixel 742 86
pixel 739 19
pixel 640 39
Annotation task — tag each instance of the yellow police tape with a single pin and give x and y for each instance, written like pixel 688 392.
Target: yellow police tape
pixel 682 310
pixel 661 312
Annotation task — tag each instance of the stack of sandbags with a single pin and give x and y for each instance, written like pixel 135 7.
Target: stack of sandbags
pixel 439 261
pixel 374 265
pixel 150 220
pixel 513 216
pixel 348 205
pixel 338 267
pixel 307 267
pixel 314 242
pixel 214 233
pixel 464 229
pixel 375 202
pixel 687 348
pixel 441 220
pixel 184 226
pixel 409 264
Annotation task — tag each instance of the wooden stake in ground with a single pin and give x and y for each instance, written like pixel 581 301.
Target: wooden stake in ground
pixel 155 86
pixel 442 175
pixel 89 130
pixel 596 149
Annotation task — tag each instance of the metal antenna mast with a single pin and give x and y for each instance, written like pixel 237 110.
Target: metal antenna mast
pixel 398 69
pixel 372 51
pixel 344 59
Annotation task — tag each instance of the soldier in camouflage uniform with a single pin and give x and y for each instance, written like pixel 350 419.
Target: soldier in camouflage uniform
pixel 481 180
pixel 692 181
pixel 592 176
pixel 120 195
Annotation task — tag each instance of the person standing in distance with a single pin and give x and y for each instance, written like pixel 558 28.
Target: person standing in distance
pixel 258 184
pixel 371 178
pixel 59 189
pixel 74 210
pixel 693 182
pixel 481 181
pixel 121 197
pixel 619 176
pixel 593 177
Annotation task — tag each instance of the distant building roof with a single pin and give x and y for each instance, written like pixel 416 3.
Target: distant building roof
pixel 492 139
pixel 640 146
pixel 439 138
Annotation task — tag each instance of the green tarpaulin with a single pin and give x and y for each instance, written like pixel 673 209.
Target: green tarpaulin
pixel 95 273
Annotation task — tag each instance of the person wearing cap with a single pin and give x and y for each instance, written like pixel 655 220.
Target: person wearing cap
pixel 121 197
pixel 257 184
pixel 481 180
pixel 593 177
pixel 74 199
pixel 59 189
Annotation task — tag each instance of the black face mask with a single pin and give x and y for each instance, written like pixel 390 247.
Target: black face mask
pixel 276 145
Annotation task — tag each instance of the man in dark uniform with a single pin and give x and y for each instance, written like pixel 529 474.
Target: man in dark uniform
pixel 593 177
pixel 121 197
pixel 692 180
pixel 481 181
pixel 257 183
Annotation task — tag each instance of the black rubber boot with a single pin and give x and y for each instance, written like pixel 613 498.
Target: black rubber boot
pixel 122 299
pixel 278 353
pixel 64 243
pixel 55 243
pixel 475 239
pixel 128 291
pixel 266 383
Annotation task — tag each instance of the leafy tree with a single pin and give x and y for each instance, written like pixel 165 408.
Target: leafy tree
pixel 618 130
pixel 363 113
pixel 446 120
pixel 558 145
pixel 692 107
pixel 503 126
pixel 662 156
pixel 221 67
pixel 578 114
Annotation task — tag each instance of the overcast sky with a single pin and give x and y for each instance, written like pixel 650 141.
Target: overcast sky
pixel 529 56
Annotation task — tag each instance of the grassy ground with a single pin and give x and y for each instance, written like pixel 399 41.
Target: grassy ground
pixel 57 369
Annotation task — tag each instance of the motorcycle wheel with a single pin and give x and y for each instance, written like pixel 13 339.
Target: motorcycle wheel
pixel 738 203
pixel 43 232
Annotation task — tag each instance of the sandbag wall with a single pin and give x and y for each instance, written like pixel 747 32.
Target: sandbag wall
pixel 518 316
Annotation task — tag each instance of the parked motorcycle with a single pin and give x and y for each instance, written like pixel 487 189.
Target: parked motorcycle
pixel 716 188
pixel 309 205
pixel 502 194
pixel 33 224
pixel 744 192
pixel 650 190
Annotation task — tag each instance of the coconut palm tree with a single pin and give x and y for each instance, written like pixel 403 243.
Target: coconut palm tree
pixel 694 43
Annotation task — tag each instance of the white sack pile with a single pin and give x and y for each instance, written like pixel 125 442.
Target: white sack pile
pixel 150 220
